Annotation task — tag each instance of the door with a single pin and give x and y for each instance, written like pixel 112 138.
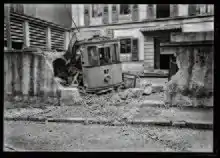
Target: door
pixel 156 53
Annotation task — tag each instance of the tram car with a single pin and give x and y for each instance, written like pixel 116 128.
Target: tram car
pixel 100 60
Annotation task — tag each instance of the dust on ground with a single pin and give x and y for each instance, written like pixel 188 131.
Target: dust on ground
pixel 77 137
pixel 111 106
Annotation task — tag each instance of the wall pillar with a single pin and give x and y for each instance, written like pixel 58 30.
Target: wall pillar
pixel 26 34
pixel 66 40
pixel 48 35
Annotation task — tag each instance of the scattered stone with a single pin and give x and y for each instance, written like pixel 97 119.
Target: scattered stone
pixel 157 88
pixel 152 103
pixel 70 96
pixel 116 99
pixel 147 90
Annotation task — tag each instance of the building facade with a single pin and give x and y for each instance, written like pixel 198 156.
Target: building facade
pixel 145 29
pixel 38 25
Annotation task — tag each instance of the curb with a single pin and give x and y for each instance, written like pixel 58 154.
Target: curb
pixel 168 123
pixel 179 124
pixel 161 104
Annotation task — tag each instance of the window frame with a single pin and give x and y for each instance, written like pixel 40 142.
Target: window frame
pixel 105 46
pixel 130 54
pixel 129 7
pixel 126 38
pixel 101 9
pixel 158 11
pixel 115 47
pixel 89 56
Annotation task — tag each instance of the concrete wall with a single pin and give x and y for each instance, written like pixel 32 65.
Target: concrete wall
pixel 191 36
pixel 133 67
pixel 57 13
pixel 78 13
pixel 28 74
pixel 148 52
pixel 193 83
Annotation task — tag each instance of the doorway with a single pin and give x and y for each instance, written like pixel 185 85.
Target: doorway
pixel 156 53
pixel 165 61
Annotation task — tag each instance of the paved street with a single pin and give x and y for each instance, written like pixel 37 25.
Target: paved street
pixel 77 137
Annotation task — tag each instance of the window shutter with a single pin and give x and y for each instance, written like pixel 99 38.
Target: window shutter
pixel 203 9
pixel 174 10
pixel 37 36
pixel 192 9
pixel 57 39
pixel 114 14
pixel 135 50
pixel 135 15
pixel 105 14
pixel 150 11
pixel 86 14
pixel 17 34
pixel 210 9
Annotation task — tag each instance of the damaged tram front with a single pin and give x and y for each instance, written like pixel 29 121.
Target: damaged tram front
pixel 96 64
pixel 101 66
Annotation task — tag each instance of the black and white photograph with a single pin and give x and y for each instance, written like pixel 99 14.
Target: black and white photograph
pixel 108 77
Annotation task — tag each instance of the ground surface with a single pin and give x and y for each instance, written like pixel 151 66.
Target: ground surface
pixel 68 137
pixel 77 137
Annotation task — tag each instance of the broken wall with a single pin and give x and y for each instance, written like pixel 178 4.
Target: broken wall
pixel 29 74
pixel 193 83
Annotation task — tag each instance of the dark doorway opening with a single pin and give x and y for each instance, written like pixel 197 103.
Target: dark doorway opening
pixel 165 61
pixel 156 53
pixel 163 10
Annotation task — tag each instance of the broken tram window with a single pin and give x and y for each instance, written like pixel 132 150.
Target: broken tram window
pixel 105 57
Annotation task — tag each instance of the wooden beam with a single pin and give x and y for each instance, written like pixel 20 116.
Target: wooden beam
pixel 8 26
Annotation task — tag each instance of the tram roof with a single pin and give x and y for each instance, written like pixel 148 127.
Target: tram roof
pixel 97 39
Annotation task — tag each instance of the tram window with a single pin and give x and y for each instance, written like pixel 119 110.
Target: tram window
pixel 93 56
pixel 115 57
pixel 105 56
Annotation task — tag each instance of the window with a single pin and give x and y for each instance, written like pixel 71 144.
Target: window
pixel 150 11
pixel 193 9
pixel 93 56
pixel 125 46
pixel 115 55
pixel 199 9
pixel 104 55
pixel 114 14
pixel 124 9
pixel 129 47
pixel 163 10
pixel 96 10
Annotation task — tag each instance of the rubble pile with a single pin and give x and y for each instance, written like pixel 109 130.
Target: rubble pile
pixel 193 83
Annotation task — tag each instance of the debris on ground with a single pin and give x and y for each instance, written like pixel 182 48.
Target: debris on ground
pixel 147 90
